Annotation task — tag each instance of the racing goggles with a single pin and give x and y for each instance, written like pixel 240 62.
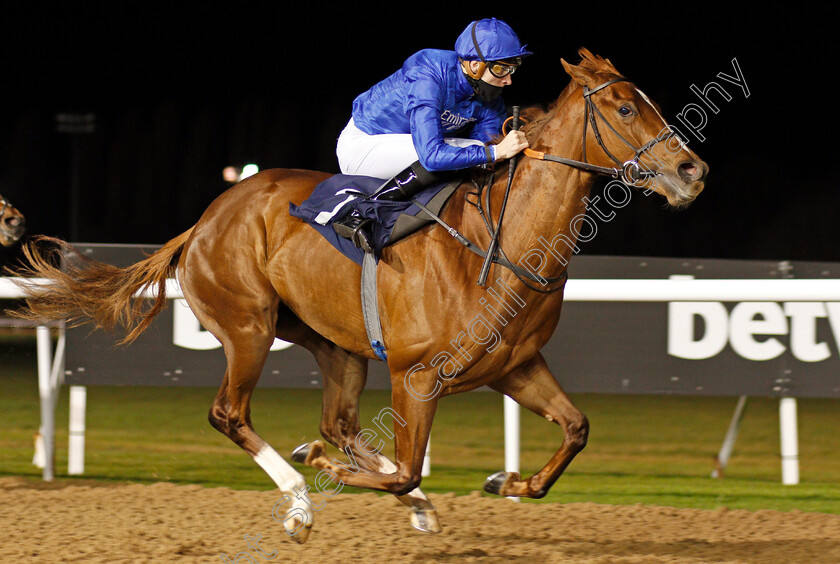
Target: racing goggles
pixel 501 69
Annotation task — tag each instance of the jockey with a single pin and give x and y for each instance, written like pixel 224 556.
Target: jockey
pixel 437 114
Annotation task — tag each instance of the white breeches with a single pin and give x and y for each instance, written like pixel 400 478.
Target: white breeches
pixel 380 156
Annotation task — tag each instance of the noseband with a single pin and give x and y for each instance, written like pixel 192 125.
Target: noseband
pixel 630 171
pixel 6 205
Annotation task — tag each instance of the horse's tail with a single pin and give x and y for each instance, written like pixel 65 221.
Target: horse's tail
pixel 86 290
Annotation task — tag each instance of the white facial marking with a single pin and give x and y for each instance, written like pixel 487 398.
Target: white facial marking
pixel 646 99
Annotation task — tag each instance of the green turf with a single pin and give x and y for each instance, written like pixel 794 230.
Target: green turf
pixel 642 449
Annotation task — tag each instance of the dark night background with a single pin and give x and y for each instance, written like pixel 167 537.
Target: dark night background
pixel 180 92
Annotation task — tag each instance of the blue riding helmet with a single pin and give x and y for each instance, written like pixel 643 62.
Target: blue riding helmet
pixel 489 40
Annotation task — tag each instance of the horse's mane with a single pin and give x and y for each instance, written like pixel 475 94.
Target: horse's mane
pixel 536 116
pixel 596 63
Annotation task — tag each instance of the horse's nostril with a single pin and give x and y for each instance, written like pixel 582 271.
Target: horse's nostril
pixel 690 171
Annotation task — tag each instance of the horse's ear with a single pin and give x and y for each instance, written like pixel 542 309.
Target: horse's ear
pixel 582 76
pixel 586 54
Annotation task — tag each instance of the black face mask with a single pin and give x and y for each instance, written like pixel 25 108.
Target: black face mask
pixel 484 90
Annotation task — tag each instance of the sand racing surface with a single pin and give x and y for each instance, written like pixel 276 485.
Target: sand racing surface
pixel 173 523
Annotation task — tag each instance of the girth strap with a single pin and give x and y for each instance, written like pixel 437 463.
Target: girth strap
pixel 370 306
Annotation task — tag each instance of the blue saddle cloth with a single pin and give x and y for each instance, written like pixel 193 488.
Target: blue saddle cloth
pixel 337 196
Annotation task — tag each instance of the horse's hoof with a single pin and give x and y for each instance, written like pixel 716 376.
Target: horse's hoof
pixel 425 520
pixel 302 535
pixel 300 453
pixel 496 483
pixel 308 452
pixel 299 533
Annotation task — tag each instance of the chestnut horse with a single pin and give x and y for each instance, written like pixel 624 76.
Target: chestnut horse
pixel 251 272
pixel 12 224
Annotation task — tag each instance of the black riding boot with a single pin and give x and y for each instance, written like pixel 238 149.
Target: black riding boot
pixel 400 188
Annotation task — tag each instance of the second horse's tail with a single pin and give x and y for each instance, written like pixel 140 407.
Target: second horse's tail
pixel 85 290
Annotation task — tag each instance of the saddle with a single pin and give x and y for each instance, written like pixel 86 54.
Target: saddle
pixel 392 221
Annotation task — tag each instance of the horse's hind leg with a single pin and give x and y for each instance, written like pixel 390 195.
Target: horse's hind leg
pixel 534 387
pixel 345 375
pixel 243 318
pixel 414 417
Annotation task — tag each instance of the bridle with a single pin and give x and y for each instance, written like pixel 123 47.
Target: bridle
pixel 631 171
pixel 6 205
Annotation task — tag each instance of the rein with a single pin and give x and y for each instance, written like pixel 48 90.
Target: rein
pixel 494 240
pixel 523 275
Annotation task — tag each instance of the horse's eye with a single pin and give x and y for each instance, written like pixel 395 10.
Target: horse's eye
pixel 625 111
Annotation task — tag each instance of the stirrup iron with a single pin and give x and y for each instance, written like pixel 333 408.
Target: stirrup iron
pixel 356 229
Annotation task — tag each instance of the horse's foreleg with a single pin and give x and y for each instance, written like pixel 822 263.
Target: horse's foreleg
pixel 534 387
pixel 345 375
